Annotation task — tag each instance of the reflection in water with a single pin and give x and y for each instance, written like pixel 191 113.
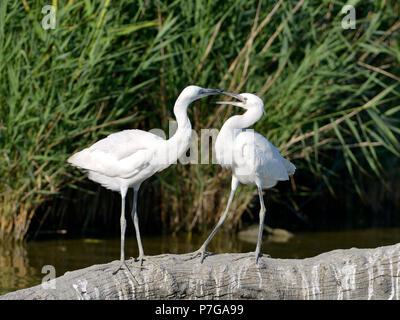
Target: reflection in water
pixel 21 266
pixel 16 270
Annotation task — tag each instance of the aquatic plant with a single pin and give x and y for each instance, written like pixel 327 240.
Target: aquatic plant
pixel 331 94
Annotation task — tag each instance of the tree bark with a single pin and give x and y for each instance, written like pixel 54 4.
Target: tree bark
pixel 339 274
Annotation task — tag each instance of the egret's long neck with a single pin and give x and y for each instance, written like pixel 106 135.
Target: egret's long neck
pixel 179 142
pixel 242 121
pixel 180 112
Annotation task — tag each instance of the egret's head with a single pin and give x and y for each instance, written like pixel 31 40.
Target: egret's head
pixel 192 93
pixel 248 101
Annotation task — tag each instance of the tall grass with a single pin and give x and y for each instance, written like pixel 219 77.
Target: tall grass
pixel 325 89
pixel 110 65
pixel 62 88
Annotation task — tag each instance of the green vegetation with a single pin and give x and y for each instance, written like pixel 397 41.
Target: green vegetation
pixel 110 65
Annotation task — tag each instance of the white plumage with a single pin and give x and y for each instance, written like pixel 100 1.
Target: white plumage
pixel 252 158
pixel 122 159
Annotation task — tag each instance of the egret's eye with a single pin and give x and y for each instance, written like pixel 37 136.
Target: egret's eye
pixel 245 99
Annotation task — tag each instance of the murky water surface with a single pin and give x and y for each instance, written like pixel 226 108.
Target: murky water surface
pixel 21 266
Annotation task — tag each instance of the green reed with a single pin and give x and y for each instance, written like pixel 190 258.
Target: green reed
pixel 112 65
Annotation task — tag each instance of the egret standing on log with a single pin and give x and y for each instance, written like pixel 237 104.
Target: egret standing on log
pixel 252 158
pixel 125 159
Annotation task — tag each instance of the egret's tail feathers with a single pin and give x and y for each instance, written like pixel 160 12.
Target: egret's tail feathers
pixel 290 167
pixel 78 159
pixel 105 181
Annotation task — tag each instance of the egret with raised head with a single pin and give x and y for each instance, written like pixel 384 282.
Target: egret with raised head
pixel 252 158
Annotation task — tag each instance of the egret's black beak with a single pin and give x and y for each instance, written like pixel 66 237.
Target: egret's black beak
pixel 210 92
pixel 232 103
pixel 241 103
pixel 235 95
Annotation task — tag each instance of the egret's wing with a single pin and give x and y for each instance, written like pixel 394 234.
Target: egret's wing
pixel 258 152
pixel 125 143
pixel 122 154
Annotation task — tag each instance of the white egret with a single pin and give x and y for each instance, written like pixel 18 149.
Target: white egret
pixel 252 158
pixel 125 159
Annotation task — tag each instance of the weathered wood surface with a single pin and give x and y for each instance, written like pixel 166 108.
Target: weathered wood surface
pixel 339 274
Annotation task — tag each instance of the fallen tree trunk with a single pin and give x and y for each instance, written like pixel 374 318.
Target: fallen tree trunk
pixel 339 274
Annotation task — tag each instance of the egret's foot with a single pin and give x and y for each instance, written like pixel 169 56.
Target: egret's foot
pixel 200 252
pixel 123 265
pixel 142 258
pixel 258 255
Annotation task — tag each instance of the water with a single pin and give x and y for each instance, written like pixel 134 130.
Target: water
pixel 21 266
